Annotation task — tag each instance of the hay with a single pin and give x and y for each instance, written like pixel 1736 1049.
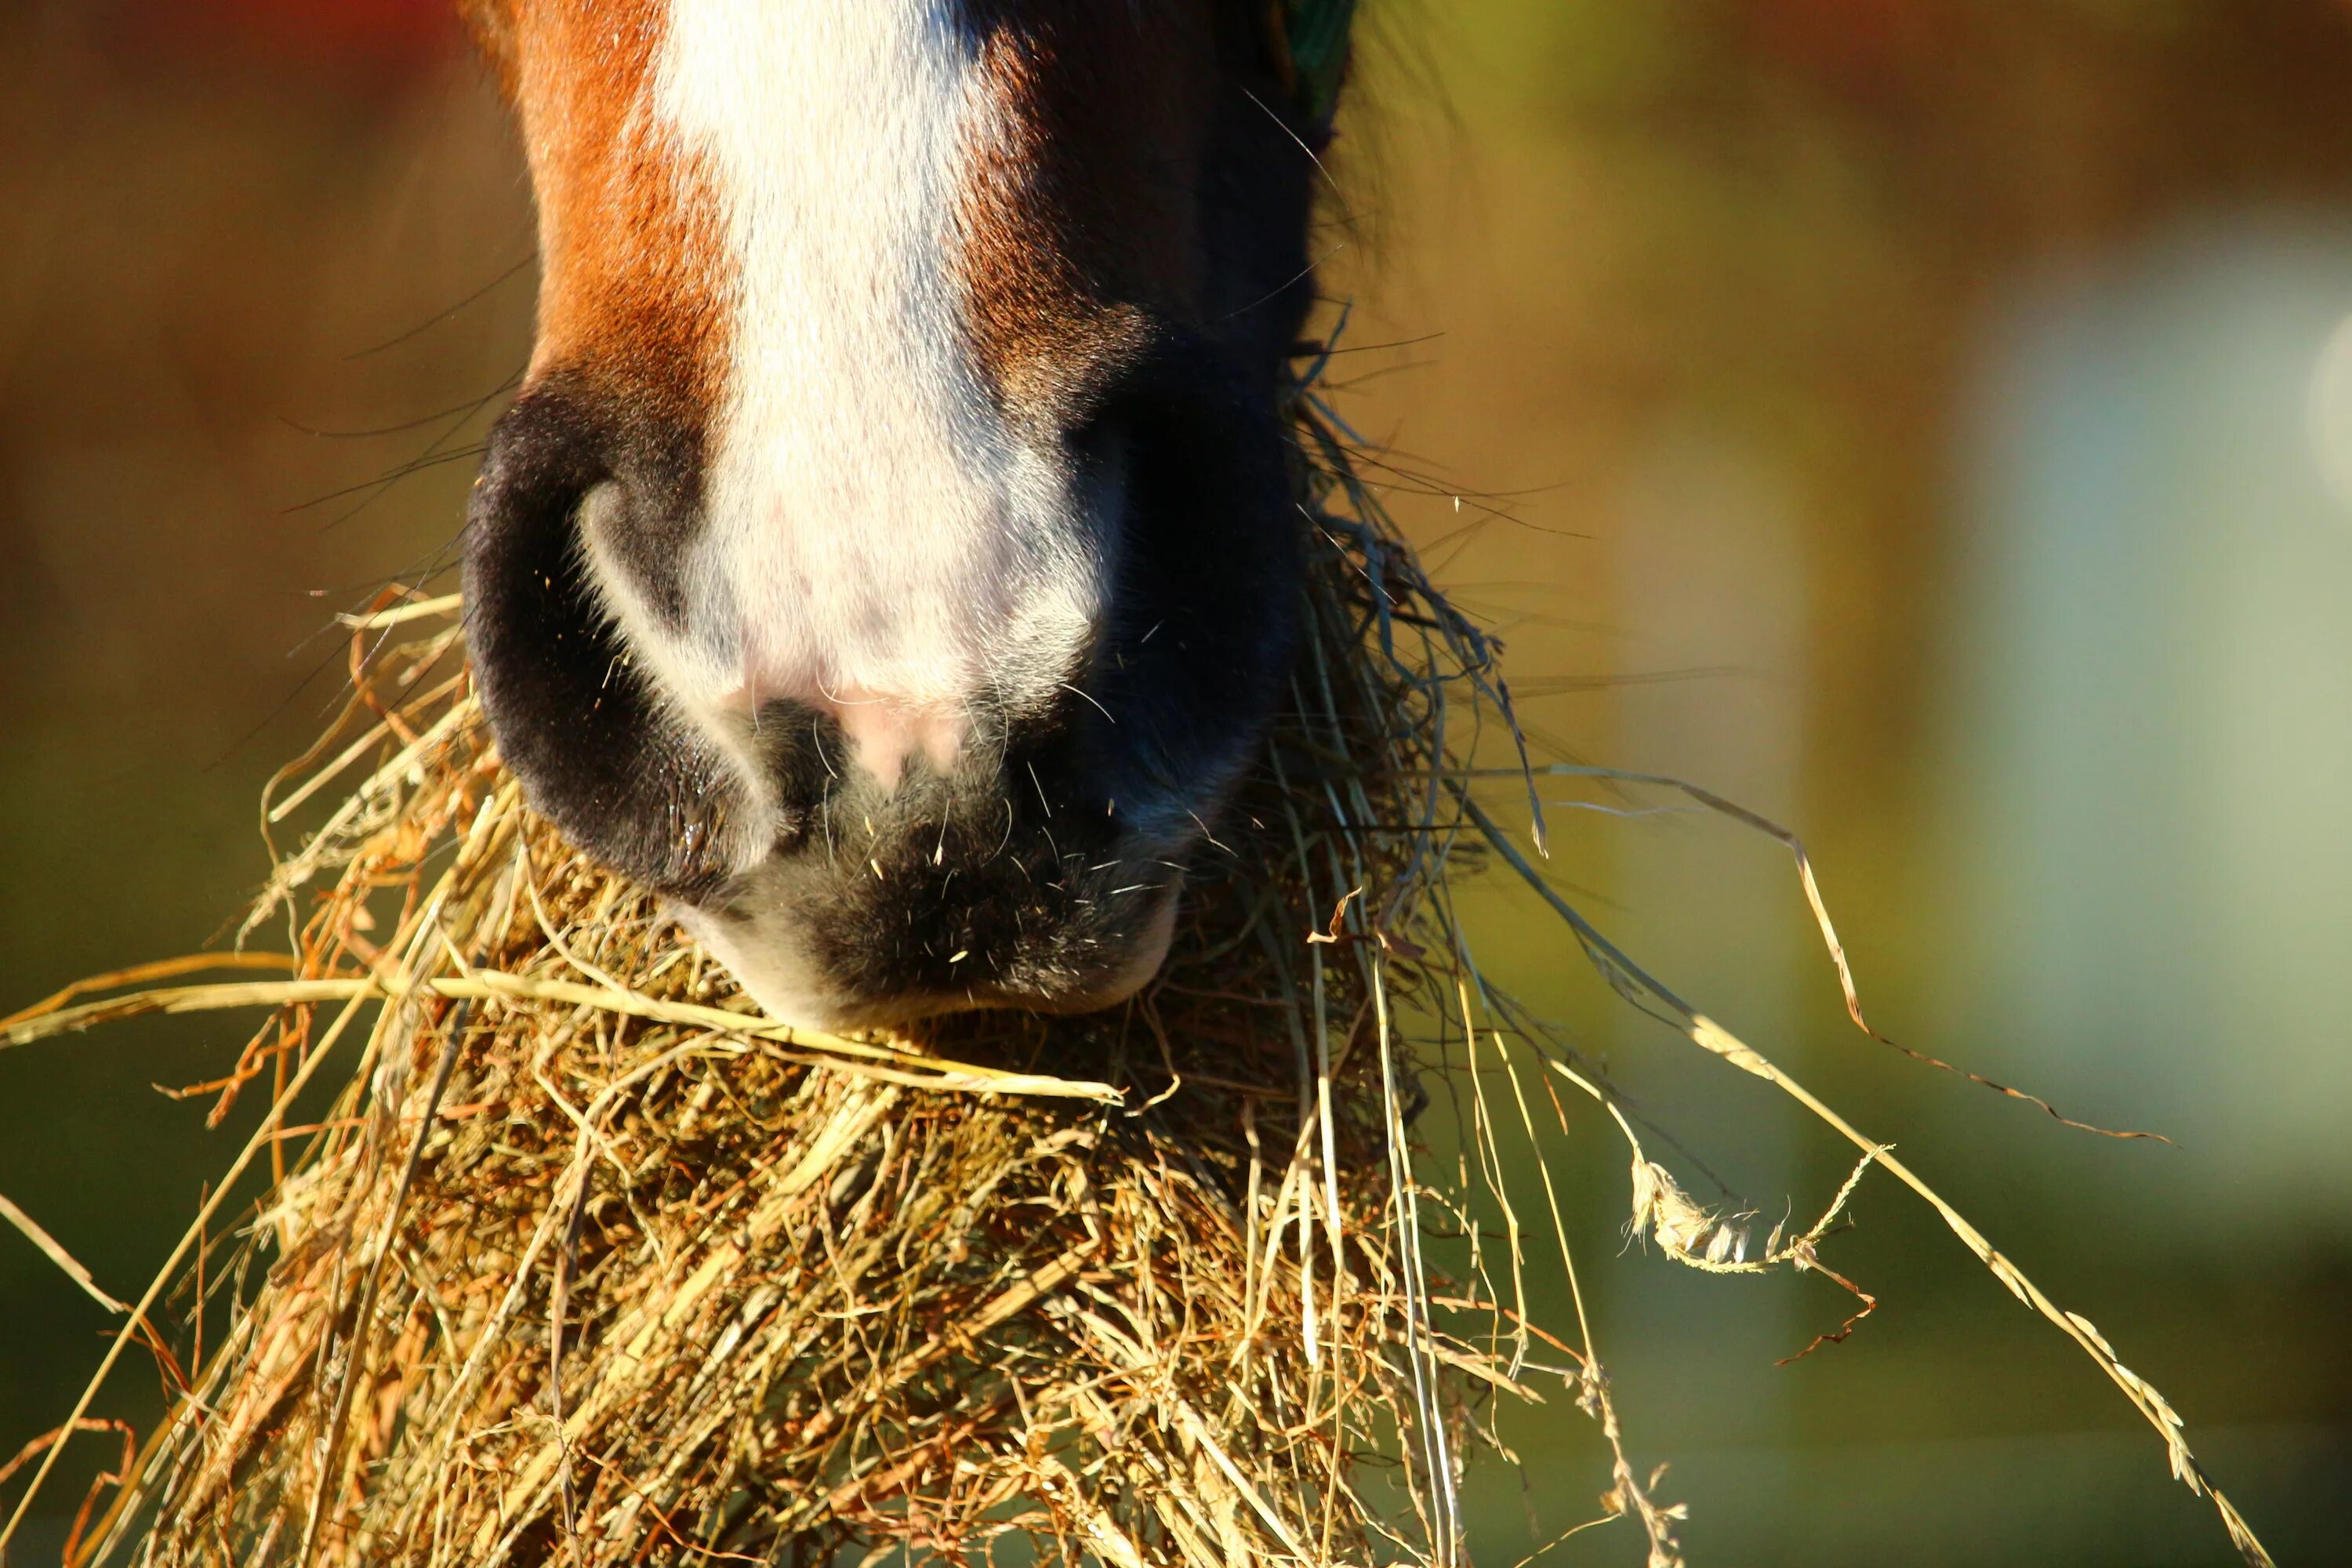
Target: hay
pixel 586 1262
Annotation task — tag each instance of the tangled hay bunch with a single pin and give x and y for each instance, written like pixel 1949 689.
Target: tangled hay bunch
pixel 582 1260
pixel 588 1262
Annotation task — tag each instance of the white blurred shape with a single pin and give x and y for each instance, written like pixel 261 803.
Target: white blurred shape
pixel 2152 730
pixel 2329 413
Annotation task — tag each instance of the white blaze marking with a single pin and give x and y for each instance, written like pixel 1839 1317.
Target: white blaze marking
pixel 878 543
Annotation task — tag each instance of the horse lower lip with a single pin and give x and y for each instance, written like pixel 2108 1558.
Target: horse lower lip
pixel 802 934
pixel 1150 953
pixel 1107 989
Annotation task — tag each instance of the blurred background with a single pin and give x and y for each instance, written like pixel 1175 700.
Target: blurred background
pixel 1928 422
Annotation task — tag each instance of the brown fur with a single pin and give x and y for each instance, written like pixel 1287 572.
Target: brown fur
pixel 632 293
pixel 1083 215
pixel 1076 225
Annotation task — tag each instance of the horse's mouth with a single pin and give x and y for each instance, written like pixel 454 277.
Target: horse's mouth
pixel 818 956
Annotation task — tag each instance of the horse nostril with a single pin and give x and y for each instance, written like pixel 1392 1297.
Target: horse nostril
pixel 595 748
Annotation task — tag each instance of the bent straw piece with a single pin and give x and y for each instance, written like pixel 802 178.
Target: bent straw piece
pixel 422 609
pixel 161 968
pixel 1712 1243
pixel 1404 1193
pixel 1626 976
pixel 897 1064
pixel 296 869
pixel 49 1439
pixel 55 1253
pixel 281 810
pixel 187 999
pixel 1787 840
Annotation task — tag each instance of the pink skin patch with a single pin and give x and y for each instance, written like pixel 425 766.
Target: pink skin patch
pixel 882 731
